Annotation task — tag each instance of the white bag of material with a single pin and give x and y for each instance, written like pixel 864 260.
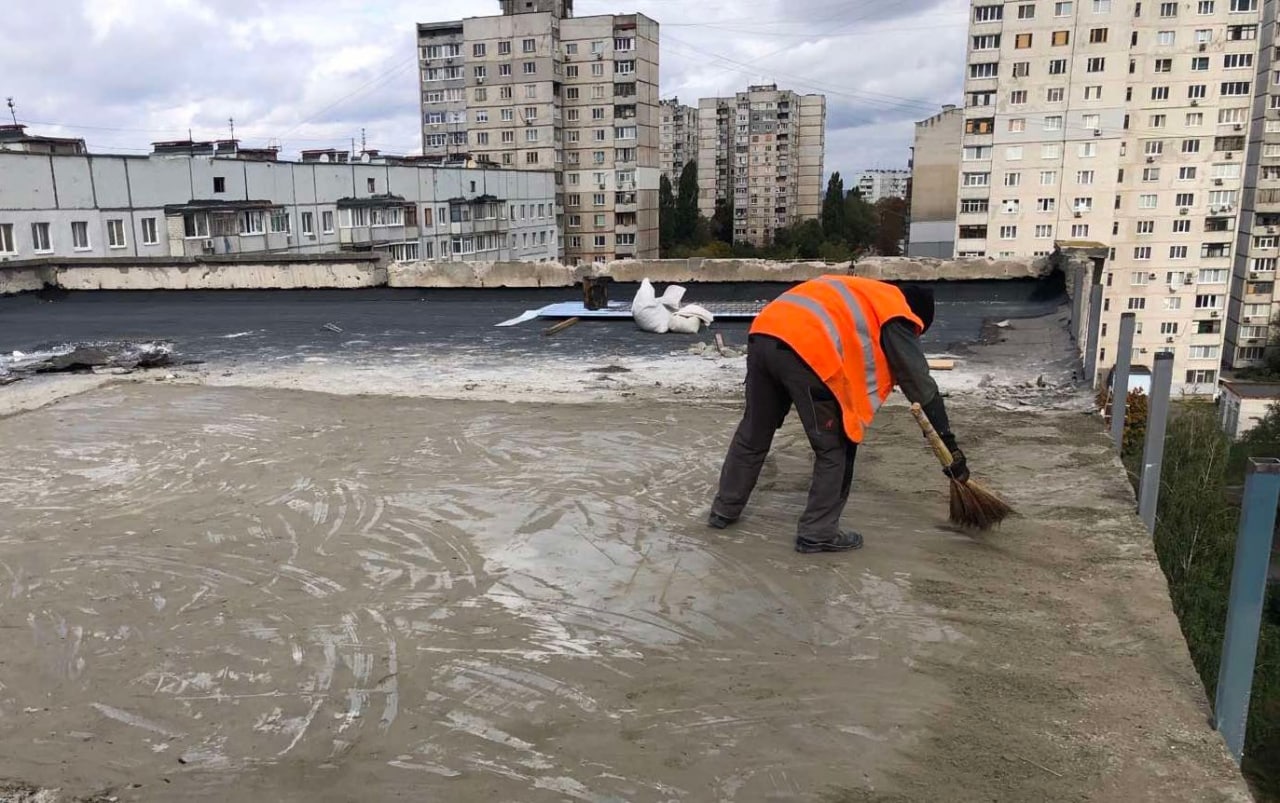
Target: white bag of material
pixel 689 319
pixel 651 314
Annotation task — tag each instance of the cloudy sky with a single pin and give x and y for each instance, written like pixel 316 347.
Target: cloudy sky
pixel 313 73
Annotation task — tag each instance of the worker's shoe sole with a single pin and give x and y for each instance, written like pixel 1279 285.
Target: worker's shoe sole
pixel 719 522
pixel 843 542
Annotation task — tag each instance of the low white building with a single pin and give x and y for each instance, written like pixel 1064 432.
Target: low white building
pixel 192 198
pixel 1244 404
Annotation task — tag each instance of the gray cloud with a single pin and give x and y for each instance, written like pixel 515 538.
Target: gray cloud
pixel 314 72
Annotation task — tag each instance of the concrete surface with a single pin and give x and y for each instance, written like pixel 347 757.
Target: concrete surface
pixel 221 593
pixel 355 270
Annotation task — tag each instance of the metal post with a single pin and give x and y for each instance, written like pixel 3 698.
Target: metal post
pixel 1120 378
pixel 1093 335
pixel 1244 612
pixel 1153 448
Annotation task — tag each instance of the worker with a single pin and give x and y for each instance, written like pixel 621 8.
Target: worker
pixel 833 347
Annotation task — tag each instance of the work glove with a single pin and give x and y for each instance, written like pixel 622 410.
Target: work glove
pixel 959 468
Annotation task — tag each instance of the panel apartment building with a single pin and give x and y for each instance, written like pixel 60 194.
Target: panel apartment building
pixel 762 151
pixel 878 183
pixel 536 88
pixel 1123 123
pixel 678 138
pixel 213 198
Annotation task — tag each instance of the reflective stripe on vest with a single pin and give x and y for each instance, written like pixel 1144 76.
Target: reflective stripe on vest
pixel 864 334
pixel 817 309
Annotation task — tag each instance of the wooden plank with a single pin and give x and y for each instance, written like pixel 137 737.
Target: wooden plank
pixel 560 327
pixel 941 365
pixel 720 343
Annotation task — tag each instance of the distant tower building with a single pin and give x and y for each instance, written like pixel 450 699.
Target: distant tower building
pixel 762 151
pixel 874 185
pixel 935 177
pixel 678 138
pixel 539 89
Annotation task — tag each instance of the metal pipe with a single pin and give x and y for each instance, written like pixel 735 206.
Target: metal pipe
pixel 1093 335
pixel 1120 378
pixel 1153 448
pixel 1244 611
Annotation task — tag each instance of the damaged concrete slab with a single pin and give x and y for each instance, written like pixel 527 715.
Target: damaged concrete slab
pixel 227 593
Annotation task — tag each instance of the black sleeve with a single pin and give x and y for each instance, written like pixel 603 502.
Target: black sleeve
pixel 910 370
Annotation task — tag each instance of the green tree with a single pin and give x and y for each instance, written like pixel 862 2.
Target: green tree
pixel 891 226
pixel 722 220
pixel 859 222
pixel 686 231
pixel 833 216
pixel 666 216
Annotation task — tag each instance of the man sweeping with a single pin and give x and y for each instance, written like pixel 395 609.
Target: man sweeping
pixel 834 348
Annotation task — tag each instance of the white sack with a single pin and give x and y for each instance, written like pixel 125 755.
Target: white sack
pixel 650 314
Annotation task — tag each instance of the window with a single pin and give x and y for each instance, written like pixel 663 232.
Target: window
pixel 1055 94
pixel 969 205
pixel 1053 122
pixel 1012 179
pixel 1083 204
pixel 79 235
pixel 477 50
pixel 1018 97
pixel 1173 303
pixel 482 95
pixel 597 199
pixel 1137 302
pixel 1058 67
pixel 1184 199
pixel 1061 38
pixel 149 233
pixel 1209 302
pixel 1165 38
pixel 571 71
pixel 1096 64
pixel 1168 10
pixel 508 115
pixel 1234 88
pixel 508 137
pixel 988 13
pixel 1159 93
pixel 1151 174
pixel 1157 120
pixel 1084 176
pixel 1199 63
pixel 115 233
pixel 1045 204
pixel 987 42
pixel 1141 252
pixel 1093 93
pixel 1010 206
pixel 1237 33
pixel 219 184
pixel 1013 153
pixel 531 135
pixel 40 239
pixel 1163 65
pixel 1147 201
pixel 629 43
pixel 326 222
pixel 1197 91
pixel 1237 61
pixel 1187 173
pixel 974 153
pixel 597 69
pixel 1008 232
pixel 1080 230
pixel 624 68
pixel 1101 6
pixel 1021 69
pixel 1213 276
pixel 528 45
pixel 1026 11
pixel 1177 252
pixel 504 93
pixel 1048 177
pixel 1204 8
pixel 1097 36
pixel 1153 147
pixel 531 158
pixel 530 67
pixel 1242 6
pixel 1195 119
pixel 1044 232
pixel 1021 42
pixel 1190 146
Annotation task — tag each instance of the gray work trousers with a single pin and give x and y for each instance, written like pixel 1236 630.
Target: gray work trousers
pixel 777 379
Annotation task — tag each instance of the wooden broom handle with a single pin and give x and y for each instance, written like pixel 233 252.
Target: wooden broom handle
pixel 935 440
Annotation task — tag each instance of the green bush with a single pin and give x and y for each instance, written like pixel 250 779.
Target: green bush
pixel 1195 536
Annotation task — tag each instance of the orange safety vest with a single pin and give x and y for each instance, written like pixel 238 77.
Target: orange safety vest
pixel 833 324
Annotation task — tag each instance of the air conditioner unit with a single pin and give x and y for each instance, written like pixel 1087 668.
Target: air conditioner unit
pixel 1151 276
pixel 1184 210
pixel 1168 340
pixel 1271 229
pixel 1195 102
pixel 1237 127
pixel 599 56
pixel 1097 132
pixel 479 79
pixel 207 245
pixel 1217 182
pixel 1077 214
pixel 1253 274
pixel 1230 155
pixel 1150 159
pixel 1203 47
pixel 1215 314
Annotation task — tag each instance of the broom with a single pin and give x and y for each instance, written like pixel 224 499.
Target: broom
pixel 972 505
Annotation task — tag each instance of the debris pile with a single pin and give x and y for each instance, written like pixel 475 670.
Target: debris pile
pixel 661 314
pixel 1040 393
pixel 111 356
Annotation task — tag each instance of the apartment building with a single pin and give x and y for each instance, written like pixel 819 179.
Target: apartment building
pixel 1122 123
pixel 935 174
pixel 761 151
pixel 678 138
pixel 536 88
pixel 876 184
pixel 194 198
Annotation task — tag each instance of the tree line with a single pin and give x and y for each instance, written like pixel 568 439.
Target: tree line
pixel 848 228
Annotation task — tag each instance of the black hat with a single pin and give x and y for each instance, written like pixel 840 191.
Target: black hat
pixel 920 300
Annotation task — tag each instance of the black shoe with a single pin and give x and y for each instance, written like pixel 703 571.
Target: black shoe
pixel 719 522
pixel 843 542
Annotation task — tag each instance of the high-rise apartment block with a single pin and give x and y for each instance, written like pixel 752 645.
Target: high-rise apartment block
pixel 536 88
pixel 874 185
pixel 1130 124
pixel 761 151
pixel 678 138
pixel 935 173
